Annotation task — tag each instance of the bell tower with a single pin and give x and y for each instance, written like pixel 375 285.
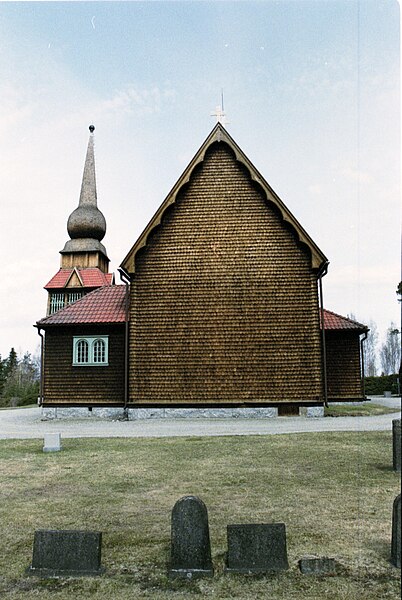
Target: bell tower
pixel 84 264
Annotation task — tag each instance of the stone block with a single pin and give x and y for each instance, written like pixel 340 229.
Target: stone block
pixel 396 533
pixel 66 553
pixel 396 444
pixel 190 544
pixel 52 442
pixel 310 565
pixel 256 548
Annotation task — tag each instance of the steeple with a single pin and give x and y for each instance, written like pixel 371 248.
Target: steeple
pixel 86 225
pixel 84 264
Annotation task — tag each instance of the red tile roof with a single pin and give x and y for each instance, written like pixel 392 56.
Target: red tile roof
pixel 107 305
pixel 90 278
pixel 104 305
pixel 336 322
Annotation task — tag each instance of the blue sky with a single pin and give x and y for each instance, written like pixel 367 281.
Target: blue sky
pixel 312 96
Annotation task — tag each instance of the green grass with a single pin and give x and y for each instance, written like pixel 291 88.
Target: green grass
pixel 18 407
pixel 334 492
pixel 357 410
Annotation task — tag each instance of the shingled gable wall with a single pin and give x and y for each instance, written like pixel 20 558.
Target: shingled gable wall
pixel 224 302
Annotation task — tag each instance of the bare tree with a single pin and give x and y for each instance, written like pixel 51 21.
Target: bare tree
pixel 390 353
pixel 370 350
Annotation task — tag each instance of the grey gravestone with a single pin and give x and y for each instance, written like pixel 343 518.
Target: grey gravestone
pixel 396 533
pixel 52 442
pixel 317 566
pixel 396 444
pixel 190 544
pixel 259 548
pixel 66 553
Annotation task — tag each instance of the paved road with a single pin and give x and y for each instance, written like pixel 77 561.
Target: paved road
pixel 26 424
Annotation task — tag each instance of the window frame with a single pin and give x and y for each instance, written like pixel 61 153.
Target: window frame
pixel 91 341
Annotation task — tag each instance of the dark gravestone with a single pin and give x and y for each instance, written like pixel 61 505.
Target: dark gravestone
pixel 317 566
pixel 396 533
pixel 396 444
pixel 190 544
pixel 66 553
pixel 256 548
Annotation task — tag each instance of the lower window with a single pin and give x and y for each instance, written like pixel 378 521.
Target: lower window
pixel 90 351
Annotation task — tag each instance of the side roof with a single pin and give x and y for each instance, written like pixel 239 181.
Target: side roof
pixel 332 321
pixel 219 134
pixel 108 305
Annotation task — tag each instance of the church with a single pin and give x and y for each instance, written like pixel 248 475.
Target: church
pixel 220 304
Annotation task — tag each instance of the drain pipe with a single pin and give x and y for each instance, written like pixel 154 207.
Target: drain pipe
pixel 125 278
pixel 42 374
pixel 322 272
pixel 362 359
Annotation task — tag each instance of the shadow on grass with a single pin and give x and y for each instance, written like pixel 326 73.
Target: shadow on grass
pixel 383 467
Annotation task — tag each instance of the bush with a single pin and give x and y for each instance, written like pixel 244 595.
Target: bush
pixel 376 386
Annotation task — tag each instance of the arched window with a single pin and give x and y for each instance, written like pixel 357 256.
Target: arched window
pixel 99 351
pixel 90 351
pixel 82 352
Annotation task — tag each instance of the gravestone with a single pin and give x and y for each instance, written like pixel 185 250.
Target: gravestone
pixel 52 442
pixel 310 565
pixel 190 544
pixel 258 548
pixel 396 533
pixel 66 553
pixel 396 444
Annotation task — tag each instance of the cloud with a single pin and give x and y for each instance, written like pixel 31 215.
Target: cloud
pixel 138 100
pixel 356 175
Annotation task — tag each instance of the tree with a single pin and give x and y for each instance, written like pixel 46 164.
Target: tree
pixel 11 363
pixel 21 380
pixel 370 350
pixel 390 353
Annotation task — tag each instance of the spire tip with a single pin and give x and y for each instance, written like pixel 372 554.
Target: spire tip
pixel 92 128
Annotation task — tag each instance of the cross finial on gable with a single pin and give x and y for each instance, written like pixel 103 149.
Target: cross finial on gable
pixel 220 113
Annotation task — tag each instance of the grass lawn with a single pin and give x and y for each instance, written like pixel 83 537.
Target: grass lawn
pixel 357 410
pixel 334 492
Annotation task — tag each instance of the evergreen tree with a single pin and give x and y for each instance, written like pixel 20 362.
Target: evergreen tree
pixel 21 380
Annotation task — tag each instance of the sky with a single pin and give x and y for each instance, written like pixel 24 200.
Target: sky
pixel 312 96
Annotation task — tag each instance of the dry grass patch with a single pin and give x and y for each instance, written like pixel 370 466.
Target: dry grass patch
pixel 333 491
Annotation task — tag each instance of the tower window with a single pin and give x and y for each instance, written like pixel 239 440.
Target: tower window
pixel 90 351
pixel 56 302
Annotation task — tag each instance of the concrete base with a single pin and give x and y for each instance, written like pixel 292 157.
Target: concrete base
pixel 117 414
pixel 314 412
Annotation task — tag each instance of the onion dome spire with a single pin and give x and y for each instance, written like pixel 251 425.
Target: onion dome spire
pixel 87 221
pixel 86 225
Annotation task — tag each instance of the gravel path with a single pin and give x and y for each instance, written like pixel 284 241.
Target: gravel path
pixel 26 424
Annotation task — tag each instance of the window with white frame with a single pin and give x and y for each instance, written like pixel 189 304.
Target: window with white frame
pixel 56 302
pixel 90 351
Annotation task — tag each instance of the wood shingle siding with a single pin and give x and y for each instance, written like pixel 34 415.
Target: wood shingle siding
pixel 88 386
pixel 343 365
pixel 224 302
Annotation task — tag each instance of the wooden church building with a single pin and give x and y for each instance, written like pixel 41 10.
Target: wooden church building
pixel 221 304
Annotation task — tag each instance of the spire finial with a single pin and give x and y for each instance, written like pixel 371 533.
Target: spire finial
pixel 87 221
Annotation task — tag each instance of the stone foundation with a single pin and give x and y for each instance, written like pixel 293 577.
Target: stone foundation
pixel 117 414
